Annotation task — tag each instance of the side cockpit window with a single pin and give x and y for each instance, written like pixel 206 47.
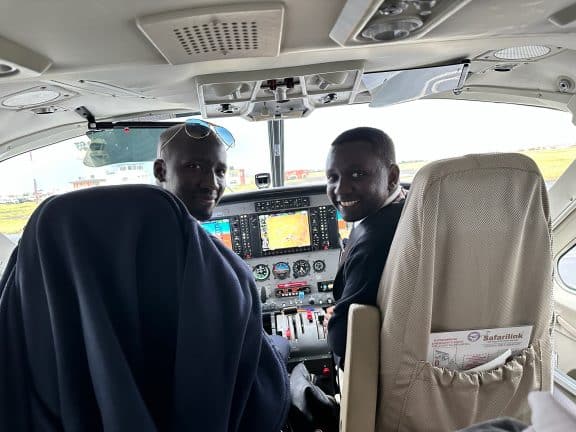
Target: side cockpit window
pixel 29 178
pixel 567 268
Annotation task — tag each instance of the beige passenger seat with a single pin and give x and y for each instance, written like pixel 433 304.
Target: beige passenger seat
pixel 472 251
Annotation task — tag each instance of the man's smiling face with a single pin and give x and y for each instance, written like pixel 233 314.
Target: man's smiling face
pixel 357 179
pixel 195 171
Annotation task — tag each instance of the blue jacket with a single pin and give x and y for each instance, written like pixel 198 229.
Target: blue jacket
pixel 119 313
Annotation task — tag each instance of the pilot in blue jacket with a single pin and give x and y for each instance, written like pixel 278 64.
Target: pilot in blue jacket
pixel 363 184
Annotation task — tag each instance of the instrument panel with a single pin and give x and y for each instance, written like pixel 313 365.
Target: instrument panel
pixel 300 279
pixel 290 238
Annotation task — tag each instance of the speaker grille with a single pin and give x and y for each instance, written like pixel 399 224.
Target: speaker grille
pixel 216 33
pixel 222 37
pixel 522 52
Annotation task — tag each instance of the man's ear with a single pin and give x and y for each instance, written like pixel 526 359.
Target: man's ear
pixel 160 170
pixel 393 177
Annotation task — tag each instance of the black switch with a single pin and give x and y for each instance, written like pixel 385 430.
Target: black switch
pixel 263 295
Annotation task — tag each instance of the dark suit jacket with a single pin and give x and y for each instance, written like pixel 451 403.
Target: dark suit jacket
pixel 360 271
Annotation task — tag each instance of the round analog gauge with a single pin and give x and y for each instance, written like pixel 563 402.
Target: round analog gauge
pixel 300 268
pixel 319 266
pixel 281 270
pixel 261 272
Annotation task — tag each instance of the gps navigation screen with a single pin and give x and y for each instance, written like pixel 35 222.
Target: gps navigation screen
pixel 284 230
pixel 221 229
pixel 343 230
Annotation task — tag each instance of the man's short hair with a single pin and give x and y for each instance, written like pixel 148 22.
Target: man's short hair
pixel 381 144
pixel 165 138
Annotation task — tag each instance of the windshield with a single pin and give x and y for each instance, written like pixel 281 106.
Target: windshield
pixel 428 130
pixel 249 156
pixel 422 131
pixel 27 179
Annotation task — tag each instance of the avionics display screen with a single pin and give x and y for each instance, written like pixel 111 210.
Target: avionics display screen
pixel 284 230
pixel 219 228
pixel 343 230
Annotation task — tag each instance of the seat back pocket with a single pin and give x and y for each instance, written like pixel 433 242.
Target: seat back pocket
pixel 439 399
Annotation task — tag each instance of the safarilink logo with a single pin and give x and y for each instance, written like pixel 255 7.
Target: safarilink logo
pixel 473 336
pixel 504 337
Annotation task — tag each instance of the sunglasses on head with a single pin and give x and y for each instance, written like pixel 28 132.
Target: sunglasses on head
pixel 198 129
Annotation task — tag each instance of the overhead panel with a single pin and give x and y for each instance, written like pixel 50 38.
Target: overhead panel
pixel 279 93
pixel 215 33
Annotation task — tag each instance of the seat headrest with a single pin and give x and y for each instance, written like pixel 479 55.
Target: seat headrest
pixel 462 168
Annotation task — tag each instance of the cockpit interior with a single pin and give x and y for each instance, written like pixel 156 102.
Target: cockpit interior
pixel 87 88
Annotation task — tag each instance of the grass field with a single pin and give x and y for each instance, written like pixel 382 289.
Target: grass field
pixel 552 163
pixel 13 217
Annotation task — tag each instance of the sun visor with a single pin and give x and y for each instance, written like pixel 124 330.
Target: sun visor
pixel 388 88
pixel 121 145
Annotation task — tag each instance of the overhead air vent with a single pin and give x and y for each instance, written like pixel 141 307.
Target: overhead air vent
pixel 193 35
pixel 47 110
pixel 375 21
pixel 385 30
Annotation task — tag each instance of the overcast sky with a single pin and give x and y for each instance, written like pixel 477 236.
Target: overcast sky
pixel 421 130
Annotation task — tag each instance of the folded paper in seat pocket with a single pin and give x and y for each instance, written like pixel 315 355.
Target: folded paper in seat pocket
pixel 468 349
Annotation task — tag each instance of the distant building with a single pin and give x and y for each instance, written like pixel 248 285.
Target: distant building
pixel 129 173
pixel 84 183
pixel 298 174
pixel 236 176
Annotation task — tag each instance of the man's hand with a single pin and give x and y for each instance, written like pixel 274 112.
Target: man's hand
pixel 327 316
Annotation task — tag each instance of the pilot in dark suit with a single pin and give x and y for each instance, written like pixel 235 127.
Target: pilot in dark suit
pixel 363 184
